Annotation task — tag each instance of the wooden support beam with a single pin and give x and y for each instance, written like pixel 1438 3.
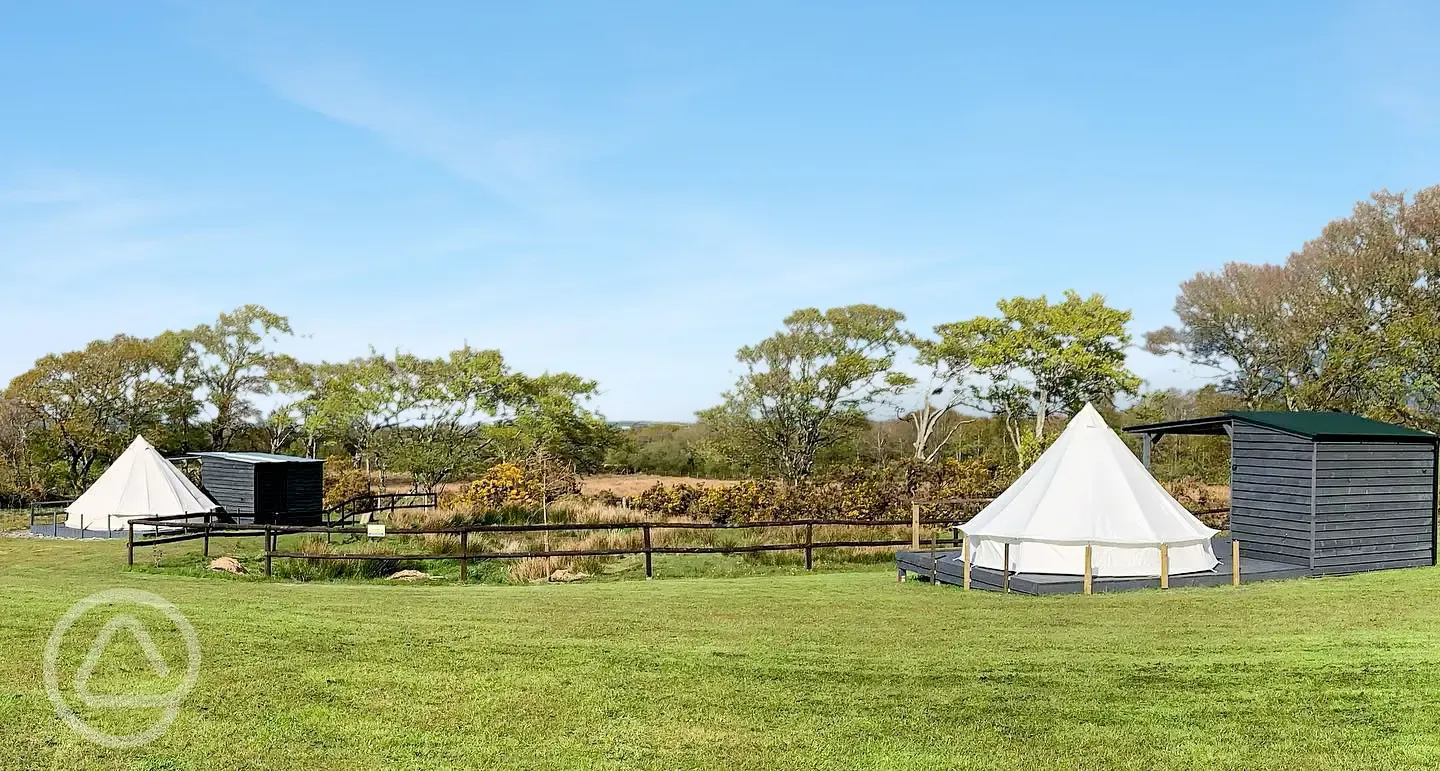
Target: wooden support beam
pixel 934 541
pixel 1005 569
pixel 1164 566
pixel 1235 561
pixel 1089 570
pixel 966 582
pixel 1146 441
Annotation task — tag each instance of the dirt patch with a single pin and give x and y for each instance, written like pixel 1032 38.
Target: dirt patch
pixel 633 484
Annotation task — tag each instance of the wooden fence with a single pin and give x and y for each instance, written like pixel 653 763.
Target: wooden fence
pixel 186 528
pixel 181 528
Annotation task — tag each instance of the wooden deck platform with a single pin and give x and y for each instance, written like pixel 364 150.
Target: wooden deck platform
pixel 949 569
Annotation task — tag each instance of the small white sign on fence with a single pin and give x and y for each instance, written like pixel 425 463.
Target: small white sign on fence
pixel 375 530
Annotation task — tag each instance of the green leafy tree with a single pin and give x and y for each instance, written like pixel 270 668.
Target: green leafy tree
pixel 948 364
pixel 230 364
pixel 1044 358
pixel 806 388
pixel 87 405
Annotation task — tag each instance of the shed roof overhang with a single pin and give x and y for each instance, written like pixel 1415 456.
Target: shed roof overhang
pixel 1315 426
pixel 1215 425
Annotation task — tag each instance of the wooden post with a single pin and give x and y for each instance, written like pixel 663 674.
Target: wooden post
pixel 130 547
pixel 1164 566
pixel 649 558
pixel 464 556
pixel 966 582
pixel 809 548
pixel 1005 569
pixel 1089 570
pixel 915 526
pixel 934 540
pixel 1234 562
pixel 268 552
pixel 206 552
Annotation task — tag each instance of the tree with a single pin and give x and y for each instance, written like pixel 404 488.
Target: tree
pixel 948 363
pixel 805 388
pixel 1242 323
pixel 90 403
pixel 1347 323
pixel 231 363
pixel 436 419
pixel 1042 359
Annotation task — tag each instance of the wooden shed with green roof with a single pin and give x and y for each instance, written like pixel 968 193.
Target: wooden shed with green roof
pixel 1330 491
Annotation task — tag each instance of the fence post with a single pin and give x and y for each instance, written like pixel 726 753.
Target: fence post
pixel 1234 562
pixel 207 534
pixel 464 556
pixel 649 563
pixel 915 526
pixel 809 548
pixel 269 551
pixel 130 547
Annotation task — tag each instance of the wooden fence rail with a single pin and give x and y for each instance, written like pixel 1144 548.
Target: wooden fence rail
pixel 179 529
pixel 175 529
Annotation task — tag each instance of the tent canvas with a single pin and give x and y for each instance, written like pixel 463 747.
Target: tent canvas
pixel 140 483
pixel 1088 488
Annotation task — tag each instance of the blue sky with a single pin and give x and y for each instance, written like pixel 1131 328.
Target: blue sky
pixel 631 191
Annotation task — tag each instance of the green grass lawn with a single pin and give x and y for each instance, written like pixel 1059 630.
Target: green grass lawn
pixel 831 670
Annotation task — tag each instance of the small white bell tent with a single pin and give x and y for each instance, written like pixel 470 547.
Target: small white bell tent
pixel 140 483
pixel 1089 489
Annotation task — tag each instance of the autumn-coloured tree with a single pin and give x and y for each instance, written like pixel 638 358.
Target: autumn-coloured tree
pixel 1346 323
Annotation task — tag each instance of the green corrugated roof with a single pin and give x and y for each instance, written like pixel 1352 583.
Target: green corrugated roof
pixel 1322 425
pixel 257 457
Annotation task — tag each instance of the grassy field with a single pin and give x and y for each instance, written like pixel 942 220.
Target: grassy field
pixel 832 670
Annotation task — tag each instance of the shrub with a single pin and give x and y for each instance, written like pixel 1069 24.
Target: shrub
pixel 514 485
pixel 856 493
pixel 344 482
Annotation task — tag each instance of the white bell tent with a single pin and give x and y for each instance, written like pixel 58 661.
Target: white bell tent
pixel 1088 489
pixel 140 483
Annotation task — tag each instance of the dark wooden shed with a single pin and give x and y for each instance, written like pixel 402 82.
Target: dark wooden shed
pixel 1330 491
pixel 265 488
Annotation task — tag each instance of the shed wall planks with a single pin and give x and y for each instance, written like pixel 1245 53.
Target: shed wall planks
pixel 1270 476
pixel 1374 506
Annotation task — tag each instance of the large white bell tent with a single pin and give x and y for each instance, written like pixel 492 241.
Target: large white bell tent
pixel 140 483
pixel 1088 489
